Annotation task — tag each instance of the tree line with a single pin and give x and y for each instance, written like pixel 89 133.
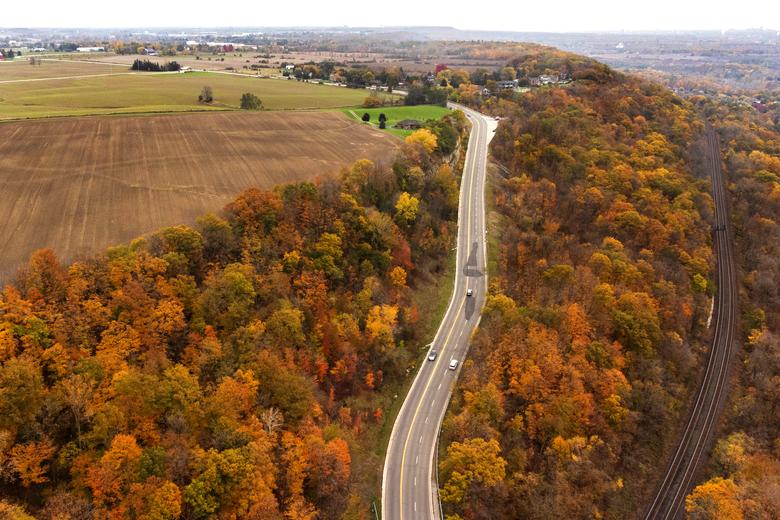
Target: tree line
pixel 153 66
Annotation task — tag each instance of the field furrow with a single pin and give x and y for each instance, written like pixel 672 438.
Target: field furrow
pixel 78 185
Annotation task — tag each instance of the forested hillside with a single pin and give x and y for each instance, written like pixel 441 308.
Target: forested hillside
pixel 744 473
pixel 596 321
pixel 226 370
pixel 248 367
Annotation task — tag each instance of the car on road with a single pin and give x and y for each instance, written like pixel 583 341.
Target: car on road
pixel 432 355
pixel 469 292
pixel 453 364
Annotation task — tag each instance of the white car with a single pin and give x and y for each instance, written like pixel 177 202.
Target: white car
pixel 469 292
pixel 432 355
pixel 453 364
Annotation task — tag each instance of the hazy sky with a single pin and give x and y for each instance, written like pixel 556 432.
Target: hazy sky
pixel 517 15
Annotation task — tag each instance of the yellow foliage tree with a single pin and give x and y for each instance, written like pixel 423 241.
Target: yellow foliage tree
pixel 7 341
pixel 155 499
pixel 28 461
pixel 425 137
pixel 398 276
pixel 380 323
pixel 117 342
pixel 472 461
pixel 716 499
pixel 13 512
pixel 110 477
pixel 406 208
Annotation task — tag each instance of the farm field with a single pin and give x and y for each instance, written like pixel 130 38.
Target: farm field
pixel 21 69
pixel 395 114
pixel 78 185
pixel 162 92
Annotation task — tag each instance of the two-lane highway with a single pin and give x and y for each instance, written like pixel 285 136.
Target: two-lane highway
pixel 409 489
pixel 696 436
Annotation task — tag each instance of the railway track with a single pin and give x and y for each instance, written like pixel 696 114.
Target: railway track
pixel 695 439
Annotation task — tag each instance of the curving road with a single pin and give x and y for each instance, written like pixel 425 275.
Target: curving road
pixel 668 502
pixel 409 488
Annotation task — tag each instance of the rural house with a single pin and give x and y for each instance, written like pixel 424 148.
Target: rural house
pixel 548 79
pixel 507 85
pixel 408 124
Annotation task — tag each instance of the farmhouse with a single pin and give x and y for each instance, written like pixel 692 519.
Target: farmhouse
pixel 548 79
pixel 408 124
pixel 507 85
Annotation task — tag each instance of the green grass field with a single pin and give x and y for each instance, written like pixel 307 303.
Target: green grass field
pixel 395 114
pixel 154 93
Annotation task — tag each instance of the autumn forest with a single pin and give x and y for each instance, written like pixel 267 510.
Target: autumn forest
pixel 248 366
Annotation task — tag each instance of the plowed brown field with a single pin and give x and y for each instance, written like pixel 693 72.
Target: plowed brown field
pixel 78 185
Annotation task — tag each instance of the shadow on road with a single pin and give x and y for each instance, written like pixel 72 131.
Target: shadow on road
pixel 470 269
pixel 471 306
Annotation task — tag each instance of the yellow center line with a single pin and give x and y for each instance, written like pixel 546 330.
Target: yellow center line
pixel 446 341
pixel 417 410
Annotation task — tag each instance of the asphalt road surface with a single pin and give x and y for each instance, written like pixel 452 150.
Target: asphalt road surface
pixel 669 500
pixel 409 489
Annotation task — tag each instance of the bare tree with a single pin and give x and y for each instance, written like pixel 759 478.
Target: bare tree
pixel 77 394
pixel 272 419
pixel 206 95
